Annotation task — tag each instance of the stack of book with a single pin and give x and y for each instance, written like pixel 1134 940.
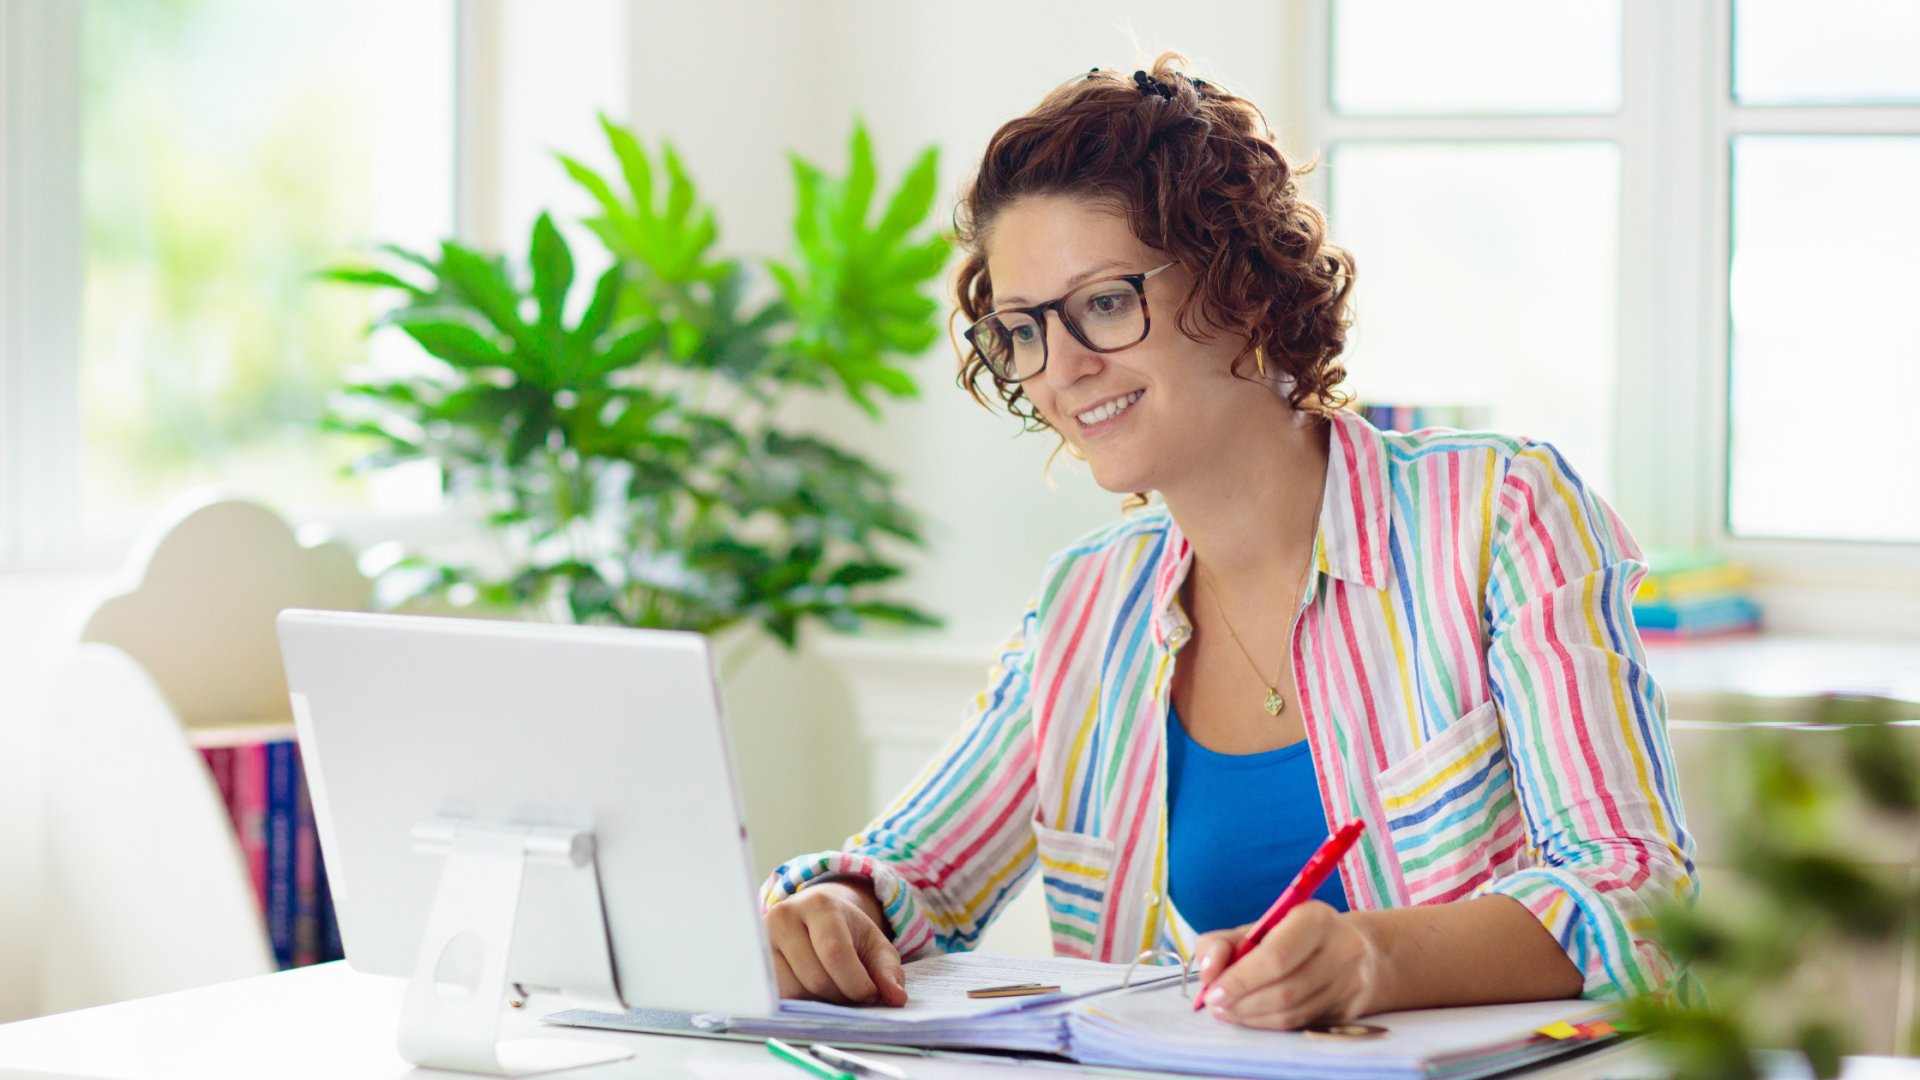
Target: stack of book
pixel 265 790
pixel 1693 594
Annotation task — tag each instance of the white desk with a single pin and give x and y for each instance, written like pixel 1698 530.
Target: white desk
pixel 332 1022
pixel 1779 677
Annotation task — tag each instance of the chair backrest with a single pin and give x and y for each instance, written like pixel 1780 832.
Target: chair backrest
pixel 197 607
pixel 146 890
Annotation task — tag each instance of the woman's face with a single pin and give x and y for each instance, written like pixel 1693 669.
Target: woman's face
pixel 1143 417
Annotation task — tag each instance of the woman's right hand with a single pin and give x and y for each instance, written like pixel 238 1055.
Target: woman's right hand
pixel 829 945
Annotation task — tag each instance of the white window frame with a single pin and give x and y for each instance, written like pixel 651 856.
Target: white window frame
pixel 1675 129
pixel 40 276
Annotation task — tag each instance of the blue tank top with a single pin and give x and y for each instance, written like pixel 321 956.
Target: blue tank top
pixel 1239 827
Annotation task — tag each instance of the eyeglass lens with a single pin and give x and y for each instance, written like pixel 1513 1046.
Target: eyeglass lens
pixel 1104 315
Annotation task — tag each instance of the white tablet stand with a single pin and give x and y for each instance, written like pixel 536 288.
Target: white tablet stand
pixel 540 880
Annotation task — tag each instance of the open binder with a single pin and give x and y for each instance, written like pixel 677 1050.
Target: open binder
pixel 1097 1019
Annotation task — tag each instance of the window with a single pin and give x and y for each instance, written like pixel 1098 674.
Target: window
pixel 1824 287
pixel 230 149
pixel 1675 239
pixel 1488 255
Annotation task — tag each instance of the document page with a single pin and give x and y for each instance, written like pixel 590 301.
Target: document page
pixel 1159 1028
pixel 937 986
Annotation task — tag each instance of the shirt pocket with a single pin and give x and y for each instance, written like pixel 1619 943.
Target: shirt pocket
pixel 1074 869
pixel 1452 813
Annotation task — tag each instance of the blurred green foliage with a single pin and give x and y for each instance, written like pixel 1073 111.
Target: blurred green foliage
pixel 1800 892
pixel 630 447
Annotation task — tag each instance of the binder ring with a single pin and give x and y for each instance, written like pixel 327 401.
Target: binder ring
pixel 1186 966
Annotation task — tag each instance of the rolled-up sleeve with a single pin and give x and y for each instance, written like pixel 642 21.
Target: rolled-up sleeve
pixel 1585 726
pixel 959 842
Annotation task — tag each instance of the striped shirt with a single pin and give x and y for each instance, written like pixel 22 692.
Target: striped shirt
pixel 1471 684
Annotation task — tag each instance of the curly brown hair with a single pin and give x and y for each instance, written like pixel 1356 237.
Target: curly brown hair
pixel 1196 172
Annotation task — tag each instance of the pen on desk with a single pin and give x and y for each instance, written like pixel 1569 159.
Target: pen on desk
pixel 1298 891
pixel 854 1063
pixel 812 1064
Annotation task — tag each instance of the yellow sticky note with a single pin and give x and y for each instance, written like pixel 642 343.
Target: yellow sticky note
pixel 1559 1029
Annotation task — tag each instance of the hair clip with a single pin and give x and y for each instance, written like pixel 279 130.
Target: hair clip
pixel 1150 86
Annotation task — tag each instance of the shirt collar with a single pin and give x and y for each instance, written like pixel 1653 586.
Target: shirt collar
pixel 1355 516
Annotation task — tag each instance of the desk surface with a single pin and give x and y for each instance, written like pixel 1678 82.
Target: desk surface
pixel 1698 676
pixel 332 1022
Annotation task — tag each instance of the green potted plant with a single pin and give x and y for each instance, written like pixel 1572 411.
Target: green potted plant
pixel 629 449
pixel 1803 901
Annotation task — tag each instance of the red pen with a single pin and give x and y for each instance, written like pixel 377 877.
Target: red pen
pixel 1297 892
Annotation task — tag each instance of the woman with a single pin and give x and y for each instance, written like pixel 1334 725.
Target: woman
pixel 1428 632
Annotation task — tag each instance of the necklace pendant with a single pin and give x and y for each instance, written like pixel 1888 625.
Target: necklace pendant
pixel 1274 703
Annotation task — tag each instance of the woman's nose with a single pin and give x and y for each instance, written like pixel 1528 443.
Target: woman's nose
pixel 1067 360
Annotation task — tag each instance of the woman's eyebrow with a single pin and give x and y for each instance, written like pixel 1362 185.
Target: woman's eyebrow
pixel 1073 283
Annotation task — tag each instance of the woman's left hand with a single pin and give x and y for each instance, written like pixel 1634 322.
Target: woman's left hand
pixel 1317 966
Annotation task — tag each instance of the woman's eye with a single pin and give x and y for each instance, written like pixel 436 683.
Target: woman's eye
pixel 1021 335
pixel 1110 304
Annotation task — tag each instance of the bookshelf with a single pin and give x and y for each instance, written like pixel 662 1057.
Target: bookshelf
pixel 257 769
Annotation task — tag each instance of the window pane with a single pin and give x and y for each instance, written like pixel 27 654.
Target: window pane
pixel 1835 52
pixel 1487 279
pixel 1422 57
pixel 231 148
pixel 1826 330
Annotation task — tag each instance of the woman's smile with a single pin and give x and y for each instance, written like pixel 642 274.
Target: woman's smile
pixel 1101 417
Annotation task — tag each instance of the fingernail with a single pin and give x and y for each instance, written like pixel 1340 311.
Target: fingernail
pixel 1220 1014
pixel 1206 962
pixel 1217 996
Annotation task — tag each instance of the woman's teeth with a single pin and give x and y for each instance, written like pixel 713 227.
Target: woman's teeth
pixel 1110 410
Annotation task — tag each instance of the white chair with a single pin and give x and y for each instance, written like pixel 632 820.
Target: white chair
pixel 146 889
pixel 198 606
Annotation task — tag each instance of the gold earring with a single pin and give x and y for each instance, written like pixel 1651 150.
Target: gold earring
pixel 1260 360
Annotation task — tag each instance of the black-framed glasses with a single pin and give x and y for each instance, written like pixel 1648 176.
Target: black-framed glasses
pixel 1105 315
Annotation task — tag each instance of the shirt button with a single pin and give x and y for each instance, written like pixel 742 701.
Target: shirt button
pixel 1179 635
pixel 1151 898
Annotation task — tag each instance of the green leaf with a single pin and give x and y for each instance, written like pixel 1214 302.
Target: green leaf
pixel 806 216
pixel 1856 903
pixel 600 310
pixel 634 165
pixel 1883 766
pixel 482 283
pixel 857 196
pixel 596 186
pixel 900 614
pixel 346 275
pixel 458 343
pixel 912 203
pixel 552 273
pixel 1823 1045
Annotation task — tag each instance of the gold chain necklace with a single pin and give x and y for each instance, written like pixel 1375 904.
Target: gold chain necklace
pixel 1274 703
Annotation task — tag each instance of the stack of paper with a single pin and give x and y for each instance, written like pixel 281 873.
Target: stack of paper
pixel 939 1012
pixel 1158 1029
